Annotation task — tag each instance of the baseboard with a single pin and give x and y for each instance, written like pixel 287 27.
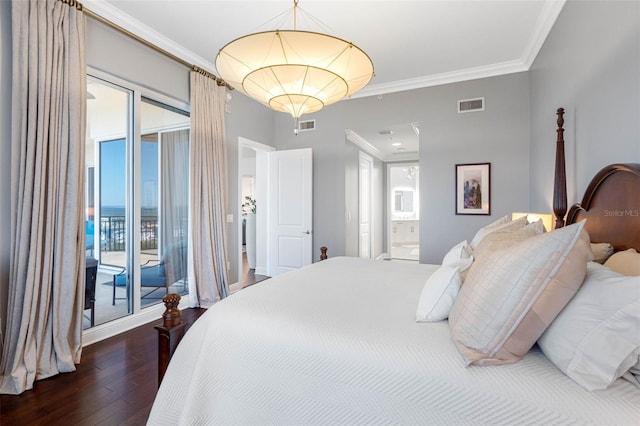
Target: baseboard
pixel 384 256
pixel 234 287
pixel 120 325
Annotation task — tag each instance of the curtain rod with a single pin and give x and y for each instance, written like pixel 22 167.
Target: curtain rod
pixel 195 68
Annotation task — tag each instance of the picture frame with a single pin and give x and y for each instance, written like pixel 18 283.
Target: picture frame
pixel 473 189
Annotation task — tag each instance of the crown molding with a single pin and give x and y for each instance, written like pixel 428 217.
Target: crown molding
pixel 367 147
pixel 121 19
pixel 405 156
pixel 547 19
pixel 550 12
pixel 443 78
pixel 364 145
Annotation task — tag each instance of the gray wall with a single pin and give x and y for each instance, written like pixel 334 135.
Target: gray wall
pixel 590 65
pixel 5 158
pixel 499 135
pixel 110 51
pixel 250 120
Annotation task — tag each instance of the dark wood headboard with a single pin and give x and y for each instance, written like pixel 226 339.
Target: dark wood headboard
pixel 611 203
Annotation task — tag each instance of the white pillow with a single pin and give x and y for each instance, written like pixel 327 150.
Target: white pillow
pixel 438 294
pixel 596 338
pixel 458 256
pixel 500 224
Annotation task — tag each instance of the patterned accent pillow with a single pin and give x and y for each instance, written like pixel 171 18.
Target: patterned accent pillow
pixel 504 223
pixel 512 295
pixel 506 238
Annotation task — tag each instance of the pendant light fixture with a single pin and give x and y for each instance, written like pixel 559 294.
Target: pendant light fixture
pixel 297 72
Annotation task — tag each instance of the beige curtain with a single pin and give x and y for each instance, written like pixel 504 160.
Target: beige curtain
pixel 174 207
pixel 46 288
pixel 208 280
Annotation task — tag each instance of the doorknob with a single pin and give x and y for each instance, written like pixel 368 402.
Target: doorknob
pixel 306 232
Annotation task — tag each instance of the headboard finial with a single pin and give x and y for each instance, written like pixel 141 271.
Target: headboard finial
pixel 560 178
pixel 560 114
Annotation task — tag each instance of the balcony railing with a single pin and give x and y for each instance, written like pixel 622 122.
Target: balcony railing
pixel 113 233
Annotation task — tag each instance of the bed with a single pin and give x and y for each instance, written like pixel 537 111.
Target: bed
pixel 319 346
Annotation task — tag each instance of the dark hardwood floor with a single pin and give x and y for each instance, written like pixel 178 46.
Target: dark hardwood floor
pixel 249 276
pixel 115 384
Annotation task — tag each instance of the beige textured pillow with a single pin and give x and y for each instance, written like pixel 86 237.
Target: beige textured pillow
pixel 511 295
pixel 500 224
pixel 506 238
pixel 601 251
pixel 625 262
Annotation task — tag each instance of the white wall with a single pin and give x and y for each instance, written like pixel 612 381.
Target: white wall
pixel 590 66
pixel 5 158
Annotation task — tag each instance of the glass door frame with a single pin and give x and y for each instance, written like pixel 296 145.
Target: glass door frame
pixel 133 173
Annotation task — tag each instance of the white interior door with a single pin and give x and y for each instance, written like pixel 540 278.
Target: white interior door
pixel 366 166
pixel 290 211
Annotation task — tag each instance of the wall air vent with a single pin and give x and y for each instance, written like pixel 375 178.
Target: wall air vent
pixel 470 105
pixel 303 126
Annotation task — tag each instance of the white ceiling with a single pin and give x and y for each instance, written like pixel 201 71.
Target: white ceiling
pixel 412 44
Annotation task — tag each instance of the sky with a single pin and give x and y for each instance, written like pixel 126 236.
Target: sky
pixel 113 173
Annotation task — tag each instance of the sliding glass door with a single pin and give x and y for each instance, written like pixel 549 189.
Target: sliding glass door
pixel 137 160
pixel 108 140
pixel 164 195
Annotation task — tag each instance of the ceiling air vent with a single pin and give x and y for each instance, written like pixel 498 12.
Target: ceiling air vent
pixel 303 126
pixel 469 105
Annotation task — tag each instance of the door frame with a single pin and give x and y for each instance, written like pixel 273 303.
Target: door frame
pixel 389 198
pixel 139 315
pixel 362 156
pixel 261 182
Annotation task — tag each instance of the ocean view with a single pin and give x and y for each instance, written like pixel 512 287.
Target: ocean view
pixel 113 211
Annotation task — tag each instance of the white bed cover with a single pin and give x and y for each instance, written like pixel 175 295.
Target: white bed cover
pixel 337 343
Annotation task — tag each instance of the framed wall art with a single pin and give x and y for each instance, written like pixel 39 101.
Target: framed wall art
pixel 473 188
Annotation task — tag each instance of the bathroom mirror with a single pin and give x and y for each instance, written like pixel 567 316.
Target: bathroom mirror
pixel 403 201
